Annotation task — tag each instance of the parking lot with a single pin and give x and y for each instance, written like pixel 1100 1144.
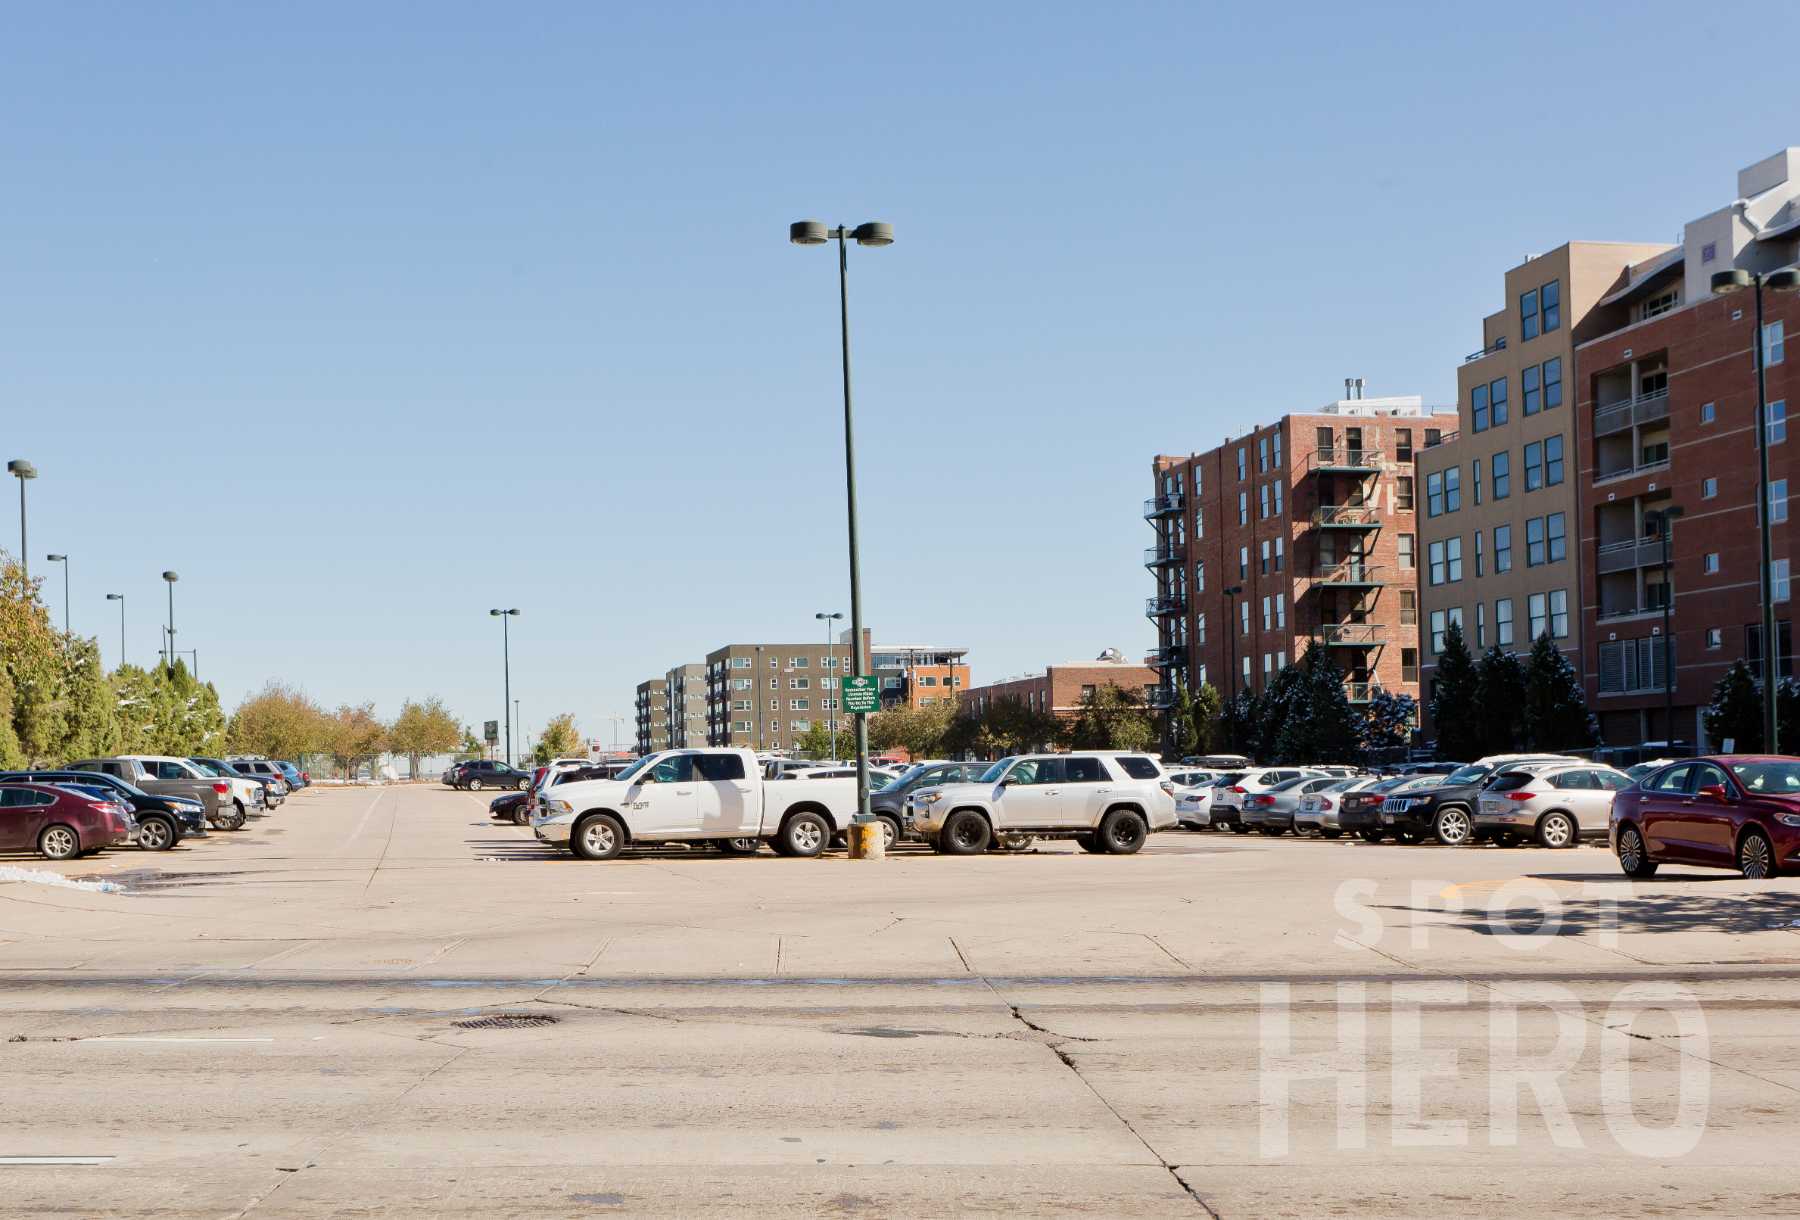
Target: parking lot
pixel 375 1001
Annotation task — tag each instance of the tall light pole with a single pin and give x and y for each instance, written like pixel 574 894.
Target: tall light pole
pixel 869 233
pixel 1665 527
pixel 64 560
pixel 1231 633
pixel 828 618
pixel 120 598
pixel 170 578
pixel 506 704
pixel 22 470
pixel 1735 280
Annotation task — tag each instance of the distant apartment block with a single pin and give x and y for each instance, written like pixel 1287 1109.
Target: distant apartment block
pixel 686 685
pixel 652 715
pixel 919 675
pixel 1060 689
pixel 1303 530
pixel 768 696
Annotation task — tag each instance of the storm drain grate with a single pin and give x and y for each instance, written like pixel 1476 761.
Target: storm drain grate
pixel 508 1020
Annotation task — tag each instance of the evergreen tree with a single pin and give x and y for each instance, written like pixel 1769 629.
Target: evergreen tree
pixel 1500 694
pixel 90 710
pixel 1287 696
pixel 1454 712
pixel 1556 710
pixel 1320 725
pixel 1388 722
pixel 1735 714
pixel 1194 719
pixel 1238 726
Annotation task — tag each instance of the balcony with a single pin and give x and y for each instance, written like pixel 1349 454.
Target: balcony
pixel 1164 505
pixel 1165 554
pixel 1624 556
pixel 1170 603
pixel 1347 517
pixel 1161 699
pixel 1499 345
pixel 1350 635
pixel 1604 474
pixel 1168 656
pixel 1352 573
pixel 1349 461
pixel 1361 692
pixel 1618 416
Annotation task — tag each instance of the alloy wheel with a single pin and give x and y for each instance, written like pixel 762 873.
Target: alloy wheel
pixel 806 837
pixel 597 837
pixel 59 843
pixel 154 835
pixel 1756 859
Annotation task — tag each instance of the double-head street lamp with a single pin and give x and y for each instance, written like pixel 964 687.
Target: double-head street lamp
pixel 1664 520
pixel 120 598
pixel 1786 280
pixel 170 577
pixel 506 705
pixel 22 470
pixel 871 233
pixel 828 618
pixel 64 560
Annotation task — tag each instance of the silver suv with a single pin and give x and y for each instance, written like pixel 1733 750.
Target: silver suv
pixel 1106 801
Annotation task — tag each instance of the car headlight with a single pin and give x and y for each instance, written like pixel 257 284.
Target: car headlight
pixel 1788 819
pixel 929 798
pixel 562 806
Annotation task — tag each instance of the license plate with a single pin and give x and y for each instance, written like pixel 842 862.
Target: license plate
pixel 1387 819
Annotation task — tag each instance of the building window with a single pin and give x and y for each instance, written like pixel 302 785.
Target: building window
pixel 1409 608
pixel 1244 617
pixel 1528 315
pixel 1531 386
pixel 1280 610
pixel 1534 465
pixel 1409 664
pixel 1497 401
pixel 1262 455
pixel 1453 556
pixel 1715 637
pixel 740 662
pixel 1553 384
pixel 1708 412
pixel 1403 450
pixel 1778 501
pixel 1559 613
pixel 1478 407
pixel 1265 614
pixel 1275 445
pixel 1243 562
pixel 1278 499
pixel 1243 508
pixel 1200 577
pixel 740 684
pixel 1556 527
pixel 1710 565
pixel 1709 251
pixel 1480 624
pixel 1200 628
pixel 799 683
pixel 1479 570
pixel 1240 464
pixel 1437 632
pixel 1434 494
pixel 1777 421
pixel 1503 622
pixel 1280 555
pixel 799 662
pixel 1534 542
pixel 1550 300
pixel 1199 522
pixel 1709 488
pixel 1404 552
pixel 1262 500
pixel 1774 336
pixel 1539 610
pixel 1501 471
pixel 799 705
pixel 1434 560
pixel 1403 494
pixel 1263 563
pixel 1553 460
pixel 1453 489
pixel 1778 580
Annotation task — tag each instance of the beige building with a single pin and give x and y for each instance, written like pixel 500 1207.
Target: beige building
pixel 1498 520
pixel 768 696
pixel 686 689
pixel 652 715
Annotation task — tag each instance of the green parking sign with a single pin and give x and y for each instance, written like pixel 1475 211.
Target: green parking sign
pixel 861 694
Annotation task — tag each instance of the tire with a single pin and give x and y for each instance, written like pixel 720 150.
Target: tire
pixel 804 835
pixel 59 842
pixel 1634 859
pixel 1756 856
pixel 739 847
pixel 965 833
pixel 1012 840
pixel 156 834
pixel 890 832
pixel 1452 826
pixel 1088 841
pixel 519 787
pixel 229 819
pixel 474 785
pixel 1557 829
pixel 521 816
pixel 598 836
pixel 1371 836
pixel 1123 831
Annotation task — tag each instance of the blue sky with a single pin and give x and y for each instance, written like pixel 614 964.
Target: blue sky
pixel 370 317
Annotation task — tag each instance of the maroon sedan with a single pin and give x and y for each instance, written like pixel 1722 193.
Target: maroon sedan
pixel 58 823
pixel 1737 811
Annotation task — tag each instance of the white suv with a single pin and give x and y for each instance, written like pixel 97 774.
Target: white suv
pixel 1105 801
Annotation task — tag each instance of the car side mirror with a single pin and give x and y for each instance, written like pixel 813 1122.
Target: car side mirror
pixel 646 778
pixel 1714 792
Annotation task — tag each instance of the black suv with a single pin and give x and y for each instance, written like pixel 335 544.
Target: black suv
pixel 486 773
pixel 1446 810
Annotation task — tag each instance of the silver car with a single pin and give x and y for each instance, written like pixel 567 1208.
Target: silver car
pixel 1318 810
pixel 1272 810
pixel 1556 805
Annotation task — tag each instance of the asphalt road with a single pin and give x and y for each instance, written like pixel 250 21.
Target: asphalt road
pixel 374 1002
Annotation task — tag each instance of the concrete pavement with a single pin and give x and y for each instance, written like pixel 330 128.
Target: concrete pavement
pixel 376 1002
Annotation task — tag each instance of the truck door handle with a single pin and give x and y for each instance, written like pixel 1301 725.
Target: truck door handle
pixel 684 792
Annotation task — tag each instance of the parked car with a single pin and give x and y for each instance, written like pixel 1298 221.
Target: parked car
pixel 1194 806
pixel 296 778
pixel 1737 811
pixel 162 821
pixel 515 807
pixel 1227 805
pixel 1638 771
pixel 1446 810
pixel 1105 801
pixel 1272 810
pixel 1558 805
pixel 550 776
pixel 274 787
pixel 1319 810
pixel 483 773
pixel 696 796
pixel 58 822
pixel 1359 812
pixel 262 768
pixel 889 802
pixel 174 777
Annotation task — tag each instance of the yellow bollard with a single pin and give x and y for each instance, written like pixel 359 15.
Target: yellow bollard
pixel 866 841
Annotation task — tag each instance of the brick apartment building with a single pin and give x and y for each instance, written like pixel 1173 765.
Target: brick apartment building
pixel 918 675
pixel 1499 497
pixel 767 696
pixel 1061 688
pixel 1666 416
pixel 1301 530
pixel 652 715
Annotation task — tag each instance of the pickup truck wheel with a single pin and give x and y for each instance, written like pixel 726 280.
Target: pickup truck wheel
pixel 231 818
pixel 1123 831
pixel 599 836
pixel 965 833
pixel 59 842
pixel 156 834
pixel 1088 841
pixel 804 835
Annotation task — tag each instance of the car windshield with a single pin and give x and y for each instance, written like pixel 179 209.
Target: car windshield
pixel 1464 775
pixel 1344 785
pixel 1228 779
pixel 631 771
pixel 1775 778
pixel 206 768
pixel 902 779
pixel 1424 781
pixel 992 774
pixel 1285 784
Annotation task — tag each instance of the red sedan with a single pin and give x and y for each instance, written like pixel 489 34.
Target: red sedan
pixel 1737 811
pixel 58 823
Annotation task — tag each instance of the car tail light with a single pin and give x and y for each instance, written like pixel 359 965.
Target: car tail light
pixel 1167 787
pixel 1520 796
pixel 1325 802
pixel 1237 790
pixel 221 788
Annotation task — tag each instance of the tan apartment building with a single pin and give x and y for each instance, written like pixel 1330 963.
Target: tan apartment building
pixel 766 697
pixel 1301 530
pixel 1498 548
pixel 919 675
pixel 686 685
pixel 1060 689
pixel 652 707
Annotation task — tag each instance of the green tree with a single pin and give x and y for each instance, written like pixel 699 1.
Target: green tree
pixel 1318 725
pixel 90 709
pixel 1455 714
pixel 1735 714
pixel 1010 727
pixel 1194 720
pixel 923 732
pixel 560 739
pixel 34 665
pixel 354 736
pixel 1556 710
pixel 816 741
pixel 424 726
pixel 1500 694
pixel 1286 695
pixel 1238 727
pixel 1110 718
pixel 1388 722
pixel 279 721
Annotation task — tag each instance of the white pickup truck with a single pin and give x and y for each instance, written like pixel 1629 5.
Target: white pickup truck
pixel 1107 801
pixel 695 796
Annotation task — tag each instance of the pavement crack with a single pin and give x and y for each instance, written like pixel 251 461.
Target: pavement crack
pixel 961 956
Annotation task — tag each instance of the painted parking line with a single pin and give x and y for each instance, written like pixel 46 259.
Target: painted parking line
pixel 56 1160
pixel 176 1039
